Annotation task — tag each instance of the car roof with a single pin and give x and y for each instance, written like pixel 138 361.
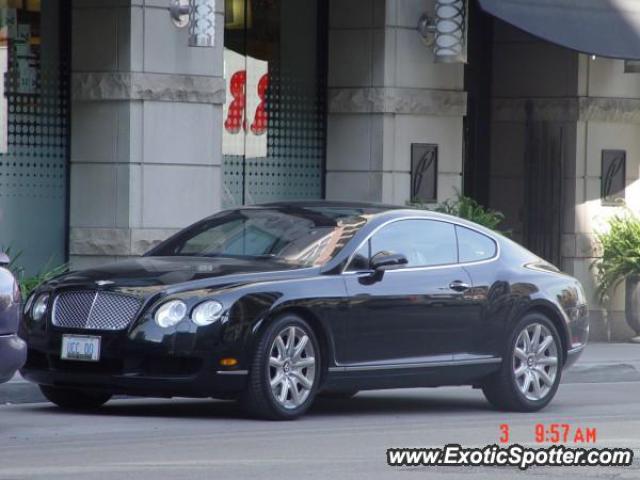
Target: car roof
pixel 331 204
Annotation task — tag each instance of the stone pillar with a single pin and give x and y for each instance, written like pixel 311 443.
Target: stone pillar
pixel 146 128
pixel 385 93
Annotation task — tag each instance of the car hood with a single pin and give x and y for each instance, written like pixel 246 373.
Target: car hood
pixel 150 274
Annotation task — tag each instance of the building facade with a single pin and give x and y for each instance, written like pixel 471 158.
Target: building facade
pixel 116 132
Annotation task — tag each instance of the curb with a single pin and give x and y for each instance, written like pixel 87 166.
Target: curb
pixel 19 391
pixel 602 373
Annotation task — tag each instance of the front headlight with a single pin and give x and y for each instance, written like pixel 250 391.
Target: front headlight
pixel 171 313
pixel 28 304
pixel 40 307
pixel 206 313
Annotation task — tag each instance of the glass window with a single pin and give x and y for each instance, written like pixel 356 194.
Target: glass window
pixel 34 110
pixel 274 116
pixel 423 242
pixel 298 236
pixel 474 246
pixel 360 260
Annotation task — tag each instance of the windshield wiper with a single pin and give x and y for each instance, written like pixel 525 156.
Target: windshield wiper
pixel 230 255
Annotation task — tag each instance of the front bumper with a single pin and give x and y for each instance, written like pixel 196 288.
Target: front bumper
pixel 132 366
pixel 197 386
pixel 13 353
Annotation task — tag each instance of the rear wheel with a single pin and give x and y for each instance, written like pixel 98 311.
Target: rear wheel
pixel 285 372
pixel 530 373
pixel 73 398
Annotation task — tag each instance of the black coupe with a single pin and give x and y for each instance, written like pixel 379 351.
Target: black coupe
pixel 276 304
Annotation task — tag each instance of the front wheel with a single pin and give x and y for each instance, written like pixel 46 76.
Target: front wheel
pixel 73 398
pixel 530 373
pixel 285 372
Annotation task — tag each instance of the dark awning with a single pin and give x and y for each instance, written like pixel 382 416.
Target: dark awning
pixel 607 28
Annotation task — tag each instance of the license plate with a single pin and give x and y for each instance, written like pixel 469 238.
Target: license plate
pixel 80 347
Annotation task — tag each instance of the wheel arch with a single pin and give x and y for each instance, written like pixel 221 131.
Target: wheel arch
pixel 558 321
pixel 323 337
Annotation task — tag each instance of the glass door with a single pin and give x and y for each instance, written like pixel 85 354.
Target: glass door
pixel 34 112
pixel 274 115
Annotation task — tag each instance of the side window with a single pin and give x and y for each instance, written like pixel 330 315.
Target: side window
pixel 474 246
pixel 424 242
pixel 360 260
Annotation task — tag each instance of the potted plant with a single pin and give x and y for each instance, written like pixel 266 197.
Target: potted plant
pixel 620 261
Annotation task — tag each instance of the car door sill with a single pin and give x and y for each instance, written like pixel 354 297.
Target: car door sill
pixel 394 366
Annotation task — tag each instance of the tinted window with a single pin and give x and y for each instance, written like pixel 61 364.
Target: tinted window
pixel 360 260
pixel 423 242
pixel 474 246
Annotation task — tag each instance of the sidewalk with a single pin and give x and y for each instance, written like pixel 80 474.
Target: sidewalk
pixel 599 363
pixel 18 390
pixel 606 362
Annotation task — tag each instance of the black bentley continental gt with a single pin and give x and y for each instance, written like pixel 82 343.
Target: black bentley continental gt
pixel 275 304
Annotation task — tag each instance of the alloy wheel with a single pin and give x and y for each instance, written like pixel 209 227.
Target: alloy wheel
pixel 292 367
pixel 535 361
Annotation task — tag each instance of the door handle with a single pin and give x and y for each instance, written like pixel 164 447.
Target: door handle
pixel 459 286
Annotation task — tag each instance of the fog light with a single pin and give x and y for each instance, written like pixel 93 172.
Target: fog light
pixel 228 362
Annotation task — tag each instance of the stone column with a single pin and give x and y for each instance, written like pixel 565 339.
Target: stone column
pixel 146 128
pixel 385 93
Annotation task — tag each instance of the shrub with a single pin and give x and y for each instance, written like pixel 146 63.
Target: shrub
pixel 620 250
pixel 28 283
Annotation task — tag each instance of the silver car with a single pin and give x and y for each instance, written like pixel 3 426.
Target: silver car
pixel 13 350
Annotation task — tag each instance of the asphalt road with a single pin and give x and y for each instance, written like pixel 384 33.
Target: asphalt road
pixel 188 439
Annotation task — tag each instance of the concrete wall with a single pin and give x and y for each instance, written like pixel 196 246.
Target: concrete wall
pixel 598 107
pixel 385 92
pixel 526 69
pixel 146 127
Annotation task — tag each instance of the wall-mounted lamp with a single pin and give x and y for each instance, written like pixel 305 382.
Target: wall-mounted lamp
pixel 200 16
pixel 445 31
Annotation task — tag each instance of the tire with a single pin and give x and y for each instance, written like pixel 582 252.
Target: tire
pixel 276 361
pixel 338 394
pixel 513 387
pixel 73 398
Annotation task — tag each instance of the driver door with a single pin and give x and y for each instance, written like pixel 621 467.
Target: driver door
pixel 413 314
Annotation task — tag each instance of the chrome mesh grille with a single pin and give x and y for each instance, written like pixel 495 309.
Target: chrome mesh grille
pixel 91 310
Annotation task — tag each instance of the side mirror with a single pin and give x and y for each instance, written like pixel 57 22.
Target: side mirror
pixel 4 259
pixel 383 262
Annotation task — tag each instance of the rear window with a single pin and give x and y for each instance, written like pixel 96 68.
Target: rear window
pixel 474 246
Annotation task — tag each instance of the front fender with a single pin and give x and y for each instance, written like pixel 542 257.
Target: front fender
pixel 255 306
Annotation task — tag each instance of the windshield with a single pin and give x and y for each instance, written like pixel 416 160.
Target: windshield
pixel 307 237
